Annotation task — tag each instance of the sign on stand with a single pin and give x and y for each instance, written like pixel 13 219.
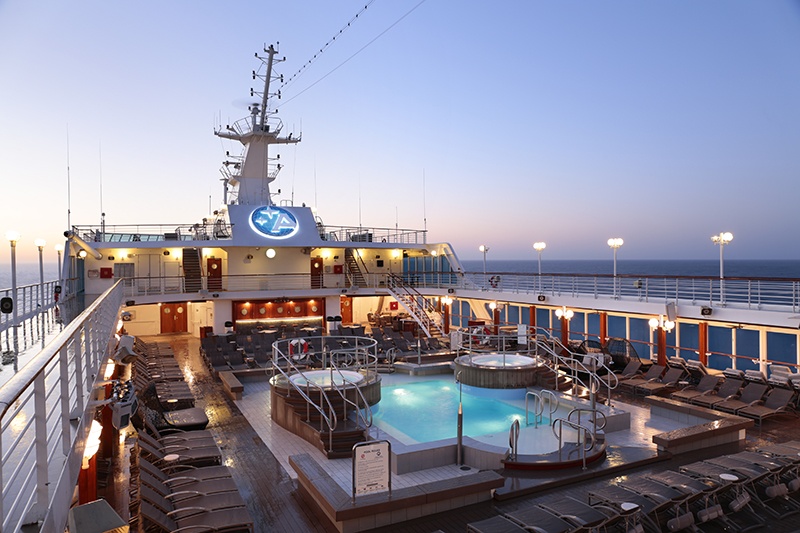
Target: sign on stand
pixel 371 467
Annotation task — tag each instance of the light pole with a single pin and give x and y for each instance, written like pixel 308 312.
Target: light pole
pixel 13 237
pixel 483 249
pixel 722 239
pixel 615 243
pixel 59 249
pixel 539 246
pixel 662 326
pixel 40 243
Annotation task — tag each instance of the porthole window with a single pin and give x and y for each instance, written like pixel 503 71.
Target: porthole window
pixel 313 308
pixel 280 310
pixel 262 310
pixel 167 310
pixel 297 309
pixel 180 310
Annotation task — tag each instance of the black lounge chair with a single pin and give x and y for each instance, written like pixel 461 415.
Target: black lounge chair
pixel 539 520
pixel 197 439
pixel 751 394
pixel 583 515
pixel 669 380
pixel 619 498
pixel 223 520
pixel 495 524
pixel 183 455
pixel 652 373
pixel 707 384
pixel 728 389
pixel 681 516
pixel 778 401
pixel 186 477
pixel 174 501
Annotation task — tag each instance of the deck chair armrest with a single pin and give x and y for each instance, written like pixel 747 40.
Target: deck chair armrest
pixel 168 482
pixel 184 512
pixel 755 402
pixel 178 494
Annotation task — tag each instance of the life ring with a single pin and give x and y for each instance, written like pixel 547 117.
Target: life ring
pixel 494 281
pixel 298 346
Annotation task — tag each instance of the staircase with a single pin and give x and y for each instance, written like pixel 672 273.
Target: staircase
pixel 192 271
pixel 355 277
pixel 426 316
pixel 309 424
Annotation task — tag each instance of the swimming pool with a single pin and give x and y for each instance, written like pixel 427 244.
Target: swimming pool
pixel 427 411
pixel 322 378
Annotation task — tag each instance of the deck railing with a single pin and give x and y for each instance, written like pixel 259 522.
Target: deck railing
pixel 31 315
pixel 739 293
pixel 41 447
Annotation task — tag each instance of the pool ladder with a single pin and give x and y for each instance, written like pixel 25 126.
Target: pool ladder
pixel 538 405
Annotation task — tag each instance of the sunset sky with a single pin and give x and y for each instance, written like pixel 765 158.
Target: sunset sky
pixel 498 123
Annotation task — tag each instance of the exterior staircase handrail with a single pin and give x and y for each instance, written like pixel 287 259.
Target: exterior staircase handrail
pixel 409 302
pixel 366 419
pixel 309 384
pixel 576 366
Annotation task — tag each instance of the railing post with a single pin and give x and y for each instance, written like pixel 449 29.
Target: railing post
pixel 63 363
pixel 37 510
pixel 78 344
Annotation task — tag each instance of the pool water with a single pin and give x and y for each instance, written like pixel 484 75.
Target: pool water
pixel 428 411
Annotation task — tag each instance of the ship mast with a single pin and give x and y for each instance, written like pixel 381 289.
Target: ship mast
pixel 257 132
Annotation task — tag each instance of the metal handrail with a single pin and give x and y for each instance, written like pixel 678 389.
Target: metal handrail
pixel 310 385
pixel 513 438
pixel 582 432
pixel 367 420
pixel 576 366
pixel 40 447
pixel 594 413
pixel 539 400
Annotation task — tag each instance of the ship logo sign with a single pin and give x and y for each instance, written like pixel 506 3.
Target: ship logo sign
pixel 274 222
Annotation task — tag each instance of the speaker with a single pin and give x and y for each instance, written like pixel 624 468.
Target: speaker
pixel 671 313
pixel 6 304
pixel 541 298
pixel 451 291
pixel 705 311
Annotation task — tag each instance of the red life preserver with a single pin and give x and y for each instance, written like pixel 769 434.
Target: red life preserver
pixel 302 344
pixel 494 281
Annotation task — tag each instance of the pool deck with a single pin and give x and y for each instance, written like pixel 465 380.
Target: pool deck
pixel 258 450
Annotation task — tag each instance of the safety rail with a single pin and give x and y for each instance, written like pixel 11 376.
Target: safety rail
pixel 31 315
pixel 575 367
pixel 409 298
pixel 366 419
pixel 581 439
pixel 594 413
pixel 208 229
pixel 41 448
pixel 382 235
pixel 538 400
pixel 513 438
pixel 331 424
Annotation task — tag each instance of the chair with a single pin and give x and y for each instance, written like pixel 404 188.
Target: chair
pixel 175 476
pixel 751 393
pixel 227 520
pixel 583 515
pixel 729 388
pixel 777 401
pixel 652 373
pixel 177 436
pixel 174 454
pixel 535 518
pixel 173 501
pixel 707 385
pixel 495 524
pixel 669 380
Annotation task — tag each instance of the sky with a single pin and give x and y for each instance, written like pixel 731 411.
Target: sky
pixel 497 123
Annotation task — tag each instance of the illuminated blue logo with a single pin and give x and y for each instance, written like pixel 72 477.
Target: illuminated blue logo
pixel 274 222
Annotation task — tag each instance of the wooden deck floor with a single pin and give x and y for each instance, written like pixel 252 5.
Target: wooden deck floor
pixel 276 505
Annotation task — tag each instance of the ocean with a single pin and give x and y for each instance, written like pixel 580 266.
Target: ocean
pixel 734 268
pixel 28 273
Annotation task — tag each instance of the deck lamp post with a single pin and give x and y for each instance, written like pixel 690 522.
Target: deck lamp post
pixel 662 326
pixel 40 243
pixel 13 237
pixel 565 315
pixel 59 249
pixel 615 243
pixel 539 246
pixel 722 239
pixel 483 249
pixel 447 301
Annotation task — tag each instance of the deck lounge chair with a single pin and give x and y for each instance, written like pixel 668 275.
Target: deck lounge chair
pixel 736 499
pixel 189 438
pixel 183 455
pixel 583 515
pixel 728 389
pixel 652 510
pixel 172 501
pixel 751 394
pixel 682 516
pixel 175 476
pixel 777 401
pixel 669 380
pixel 707 385
pixel 495 524
pixel 701 494
pixel 535 518
pixel 652 373
pixel 223 520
